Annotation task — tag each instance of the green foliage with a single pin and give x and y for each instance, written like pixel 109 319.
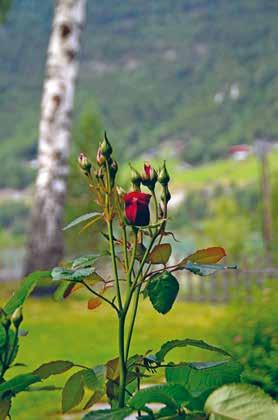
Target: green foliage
pixel 81 219
pixel 117 414
pixel 202 377
pixel 162 290
pixel 251 402
pixel 73 391
pixel 5 6
pixel 25 289
pixel 53 368
pixel 17 384
pixel 191 65
pixel 170 345
pixel 172 395
pixel 251 330
pixel 206 269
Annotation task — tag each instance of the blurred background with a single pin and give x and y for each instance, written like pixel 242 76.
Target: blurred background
pixel 191 81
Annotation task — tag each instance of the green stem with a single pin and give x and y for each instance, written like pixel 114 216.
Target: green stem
pixel 133 318
pixel 125 248
pixel 155 207
pixel 131 266
pixel 114 263
pixel 129 297
pixel 123 370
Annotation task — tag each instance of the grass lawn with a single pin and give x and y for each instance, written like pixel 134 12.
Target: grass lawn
pixel 218 172
pixel 69 331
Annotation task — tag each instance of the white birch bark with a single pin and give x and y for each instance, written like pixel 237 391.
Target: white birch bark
pixel 45 247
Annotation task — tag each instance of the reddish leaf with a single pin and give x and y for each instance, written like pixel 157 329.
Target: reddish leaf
pixel 160 254
pixel 206 256
pixel 94 303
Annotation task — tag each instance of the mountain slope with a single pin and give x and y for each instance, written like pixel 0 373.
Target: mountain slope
pixel 201 71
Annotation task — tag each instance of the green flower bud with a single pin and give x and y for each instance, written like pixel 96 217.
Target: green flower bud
pixel 84 163
pixel 135 178
pixel 105 147
pixel 149 176
pixel 17 317
pixel 163 175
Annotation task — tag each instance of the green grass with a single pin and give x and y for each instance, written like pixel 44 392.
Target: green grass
pixel 69 331
pixel 220 172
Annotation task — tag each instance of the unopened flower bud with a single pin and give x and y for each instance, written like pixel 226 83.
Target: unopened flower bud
pixel 163 175
pixel 17 317
pixel 149 176
pixel 135 178
pixel 105 147
pixel 84 163
pixel 100 158
pixel 166 195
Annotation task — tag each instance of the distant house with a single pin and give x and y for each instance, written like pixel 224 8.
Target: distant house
pixel 240 151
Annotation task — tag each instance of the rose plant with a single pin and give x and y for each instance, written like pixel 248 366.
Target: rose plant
pixel 139 251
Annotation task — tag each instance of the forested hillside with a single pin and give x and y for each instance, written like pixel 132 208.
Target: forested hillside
pixel 200 71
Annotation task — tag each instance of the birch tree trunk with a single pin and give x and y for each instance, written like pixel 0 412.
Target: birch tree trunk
pixel 45 245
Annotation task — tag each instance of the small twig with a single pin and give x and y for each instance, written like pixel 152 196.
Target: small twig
pixel 100 296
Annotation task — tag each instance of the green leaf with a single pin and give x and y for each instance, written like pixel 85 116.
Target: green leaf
pixel 160 254
pixel 18 383
pixel 85 261
pixel 117 414
pixel 91 380
pixel 207 269
pixel 26 287
pixel 81 219
pixel 240 402
pixel 172 395
pixel 162 290
pixel 73 391
pixel 95 397
pixel 199 377
pixel 61 273
pixel 169 345
pixel 53 368
pixel 5 406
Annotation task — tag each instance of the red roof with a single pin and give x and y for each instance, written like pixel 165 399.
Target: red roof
pixel 239 148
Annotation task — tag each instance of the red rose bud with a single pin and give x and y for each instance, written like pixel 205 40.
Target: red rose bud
pixel 149 176
pixel 163 175
pixel 100 158
pixel 84 163
pixel 105 147
pixel 137 208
